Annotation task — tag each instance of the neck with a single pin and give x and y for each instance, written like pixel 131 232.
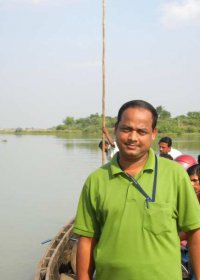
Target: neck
pixel 133 166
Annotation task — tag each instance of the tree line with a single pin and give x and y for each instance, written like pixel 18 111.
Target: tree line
pixel 189 123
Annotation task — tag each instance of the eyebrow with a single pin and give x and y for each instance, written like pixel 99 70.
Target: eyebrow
pixel 131 128
pixel 194 180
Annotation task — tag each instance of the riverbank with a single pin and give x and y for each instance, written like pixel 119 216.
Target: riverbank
pixel 39 132
pixel 69 132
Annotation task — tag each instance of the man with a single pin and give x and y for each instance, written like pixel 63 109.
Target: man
pixel 194 174
pixel 110 145
pixel 131 209
pixel 165 146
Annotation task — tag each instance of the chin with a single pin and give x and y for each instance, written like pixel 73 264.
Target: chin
pixel 132 156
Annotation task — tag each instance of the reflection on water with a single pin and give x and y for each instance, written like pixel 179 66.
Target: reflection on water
pixel 41 179
pixel 91 145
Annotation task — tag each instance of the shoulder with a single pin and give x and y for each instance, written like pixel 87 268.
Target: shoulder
pixel 175 150
pixel 171 168
pixel 100 174
pixel 104 174
pixel 175 153
pixel 171 164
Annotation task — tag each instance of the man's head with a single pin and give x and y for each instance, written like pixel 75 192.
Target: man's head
pixel 138 104
pixel 135 129
pixel 165 144
pixel 194 174
pixel 166 156
pixel 106 145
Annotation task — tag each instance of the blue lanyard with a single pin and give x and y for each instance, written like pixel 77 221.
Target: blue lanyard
pixel 141 190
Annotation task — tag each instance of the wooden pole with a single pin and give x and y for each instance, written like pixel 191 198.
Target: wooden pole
pixel 103 79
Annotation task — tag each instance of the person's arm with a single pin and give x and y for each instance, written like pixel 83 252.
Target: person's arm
pixel 193 238
pixel 110 140
pixel 182 235
pixel 84 258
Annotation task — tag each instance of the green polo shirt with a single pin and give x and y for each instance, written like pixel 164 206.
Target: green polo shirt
pixel 137 241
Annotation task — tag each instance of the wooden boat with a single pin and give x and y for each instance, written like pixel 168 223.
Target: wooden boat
pixel 59 260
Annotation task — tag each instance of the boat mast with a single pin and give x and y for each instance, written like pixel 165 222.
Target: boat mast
pixel 103 79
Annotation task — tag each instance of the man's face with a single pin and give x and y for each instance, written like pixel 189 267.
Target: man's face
pixel 106 148
pixel 195 182
pixel 164 148
pixel 134 134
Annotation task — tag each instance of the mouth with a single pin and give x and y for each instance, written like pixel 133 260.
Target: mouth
pixel 131 146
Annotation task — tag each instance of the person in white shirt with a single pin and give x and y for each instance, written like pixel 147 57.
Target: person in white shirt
pixel 110 145
pixel 165 146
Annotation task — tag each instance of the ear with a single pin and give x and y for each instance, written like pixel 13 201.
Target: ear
pixel 154 133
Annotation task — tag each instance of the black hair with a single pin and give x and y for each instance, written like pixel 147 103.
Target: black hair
pixel 101 143
pixel 166 140
pixel 138 104
pixel 194 170
pixel 166 156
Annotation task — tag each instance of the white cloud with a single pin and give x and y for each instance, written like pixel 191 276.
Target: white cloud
pixel 181 12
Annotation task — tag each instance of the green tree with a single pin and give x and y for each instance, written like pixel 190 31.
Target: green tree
pixel 69 121
pixel 189 123
pixel 194 115
pixel 162 113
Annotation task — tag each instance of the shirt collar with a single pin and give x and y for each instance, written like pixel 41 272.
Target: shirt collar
pixel 149 166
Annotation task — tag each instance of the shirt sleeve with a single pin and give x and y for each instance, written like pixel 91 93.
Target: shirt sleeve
pixel 188 206
pixel 86 223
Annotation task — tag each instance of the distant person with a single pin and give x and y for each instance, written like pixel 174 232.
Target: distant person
pixel 110 145
pixel 165 146
pixel 166 156
pixel 106 145
pixel 130 209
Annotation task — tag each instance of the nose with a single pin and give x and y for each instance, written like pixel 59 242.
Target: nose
pixel 132 136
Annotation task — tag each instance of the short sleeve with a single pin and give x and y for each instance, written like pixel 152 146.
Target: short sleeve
pixel 86 223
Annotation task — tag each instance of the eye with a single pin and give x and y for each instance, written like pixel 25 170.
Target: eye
pixel 125 129
pixel 142 131
pixel 195 180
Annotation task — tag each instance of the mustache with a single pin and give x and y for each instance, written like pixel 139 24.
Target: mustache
pixel 130 142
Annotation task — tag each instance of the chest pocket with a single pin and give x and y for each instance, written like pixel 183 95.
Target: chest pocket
pixel 158 218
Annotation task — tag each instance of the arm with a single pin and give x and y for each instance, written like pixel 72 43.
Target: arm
pixel 183 238
pixel 84 259
pixel 193 238
pixel 182 235
pixel 110 140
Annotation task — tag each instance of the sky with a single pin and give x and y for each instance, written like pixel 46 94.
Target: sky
pixel 51 58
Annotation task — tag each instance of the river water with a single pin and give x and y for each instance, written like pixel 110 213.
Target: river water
pixel 41 179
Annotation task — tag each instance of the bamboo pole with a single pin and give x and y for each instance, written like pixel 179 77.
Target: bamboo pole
pixel 103 78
